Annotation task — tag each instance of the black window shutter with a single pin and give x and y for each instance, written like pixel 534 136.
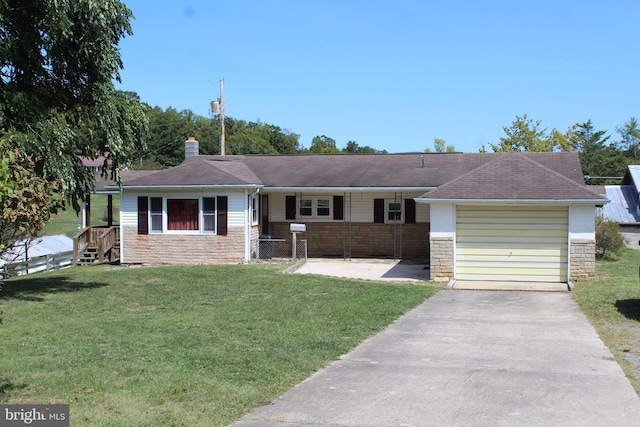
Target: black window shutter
pixel 378 211
pixel 409 211
pixel 143 215
pixel 338 207
pixel 223 203
pixel 290 208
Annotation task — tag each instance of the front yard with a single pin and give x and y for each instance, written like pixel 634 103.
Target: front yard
pixel 180 346
pixel 201 346
pixel 612 304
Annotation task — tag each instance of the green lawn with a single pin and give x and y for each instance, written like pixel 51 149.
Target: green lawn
pixel 180 346
pixel 68 222
pixel 612 304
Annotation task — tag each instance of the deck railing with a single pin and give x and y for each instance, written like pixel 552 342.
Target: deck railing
pixel 103 239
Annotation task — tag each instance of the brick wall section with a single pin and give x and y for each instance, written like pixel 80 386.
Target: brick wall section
pixel 441 259
pixel 325 239
pixel 583 260
pixel 183 249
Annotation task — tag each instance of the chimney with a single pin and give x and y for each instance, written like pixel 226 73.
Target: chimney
pixel 191 147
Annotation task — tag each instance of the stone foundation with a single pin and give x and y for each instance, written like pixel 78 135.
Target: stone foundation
pixel 441 259
pixel 183 248
pixel 583 260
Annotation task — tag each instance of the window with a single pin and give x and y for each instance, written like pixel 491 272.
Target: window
pixel 394 211
pixel 316 207
pixel 182 214
pixel 255 209
pixel 386 211
pixel 187 215
pixel 322 208
pixel 209 213
pixel 156 214
pixel 306 207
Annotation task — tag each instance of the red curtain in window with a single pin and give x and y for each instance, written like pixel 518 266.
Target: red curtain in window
pixel 182 214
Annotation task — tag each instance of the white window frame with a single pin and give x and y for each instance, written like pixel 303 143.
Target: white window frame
pixel 156 214
pixel 387 211
pixel 254 209
pixel 314 208
pixel 201 215
pixel 213 214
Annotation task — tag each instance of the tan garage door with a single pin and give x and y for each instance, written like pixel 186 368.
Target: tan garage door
pixel 512 243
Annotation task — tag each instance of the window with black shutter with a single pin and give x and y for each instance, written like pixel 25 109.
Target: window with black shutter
pixel 409 211
pixel 290 207
pixel 378 211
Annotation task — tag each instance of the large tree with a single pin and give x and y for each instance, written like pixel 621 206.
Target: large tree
pixel 630 142
pixel 440 146
pixel 323 145
pixel 27 201
pixel 58 62
pixel 523 135
pixel 597 157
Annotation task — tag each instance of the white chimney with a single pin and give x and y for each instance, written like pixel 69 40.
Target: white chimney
pixel 191 147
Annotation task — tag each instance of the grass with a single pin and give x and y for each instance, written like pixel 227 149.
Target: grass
pixel 612 304
pixel 180 346
pixel 68 222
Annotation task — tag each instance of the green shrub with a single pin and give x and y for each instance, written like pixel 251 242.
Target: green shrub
pixel 609 241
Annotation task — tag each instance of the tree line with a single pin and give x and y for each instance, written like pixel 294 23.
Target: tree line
pixel 168 128
pixel 603 159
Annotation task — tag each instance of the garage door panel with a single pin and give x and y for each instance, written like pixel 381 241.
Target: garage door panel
pixel 545 256
pixel 512 243
pixel 523 239
pixel 488 229
pixel 512 214
pixel 513 274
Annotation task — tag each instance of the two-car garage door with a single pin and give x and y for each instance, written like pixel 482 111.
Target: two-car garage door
pixel 523 243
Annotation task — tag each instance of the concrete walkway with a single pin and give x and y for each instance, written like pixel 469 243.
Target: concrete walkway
pixel 469 358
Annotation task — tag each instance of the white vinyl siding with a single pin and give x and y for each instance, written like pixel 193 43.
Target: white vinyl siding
pixel 524 243
pixel 236 210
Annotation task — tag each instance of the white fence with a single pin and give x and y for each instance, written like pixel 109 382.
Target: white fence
pixel 47 262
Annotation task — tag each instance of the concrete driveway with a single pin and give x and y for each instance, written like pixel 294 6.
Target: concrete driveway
pixel 469 358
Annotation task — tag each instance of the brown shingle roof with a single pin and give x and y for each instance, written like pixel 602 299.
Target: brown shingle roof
pixel 199 171
pixel 471 175
pixel 512 176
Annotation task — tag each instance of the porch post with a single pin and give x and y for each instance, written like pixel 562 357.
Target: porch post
pixel 110 210
pixel 87 211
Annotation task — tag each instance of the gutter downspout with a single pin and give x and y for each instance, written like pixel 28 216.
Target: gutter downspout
pixel 248 226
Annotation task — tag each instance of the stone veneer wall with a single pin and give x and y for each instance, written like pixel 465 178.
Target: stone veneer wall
pixel 183 248
pixel 583 260
pixel 441 259
pixel 325 239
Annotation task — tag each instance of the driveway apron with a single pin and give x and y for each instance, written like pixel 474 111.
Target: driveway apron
pixel 469 358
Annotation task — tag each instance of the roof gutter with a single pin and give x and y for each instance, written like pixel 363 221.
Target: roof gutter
pixel 193 187
pixel 514 201
pixel 345 189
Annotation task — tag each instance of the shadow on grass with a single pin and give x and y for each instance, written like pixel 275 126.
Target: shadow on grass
pixel 6 387
pixel 629 308
pixel 32 289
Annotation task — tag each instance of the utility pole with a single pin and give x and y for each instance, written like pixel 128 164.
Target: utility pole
pixel 219 106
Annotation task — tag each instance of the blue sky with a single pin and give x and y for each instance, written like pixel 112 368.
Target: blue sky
pixel 391 74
